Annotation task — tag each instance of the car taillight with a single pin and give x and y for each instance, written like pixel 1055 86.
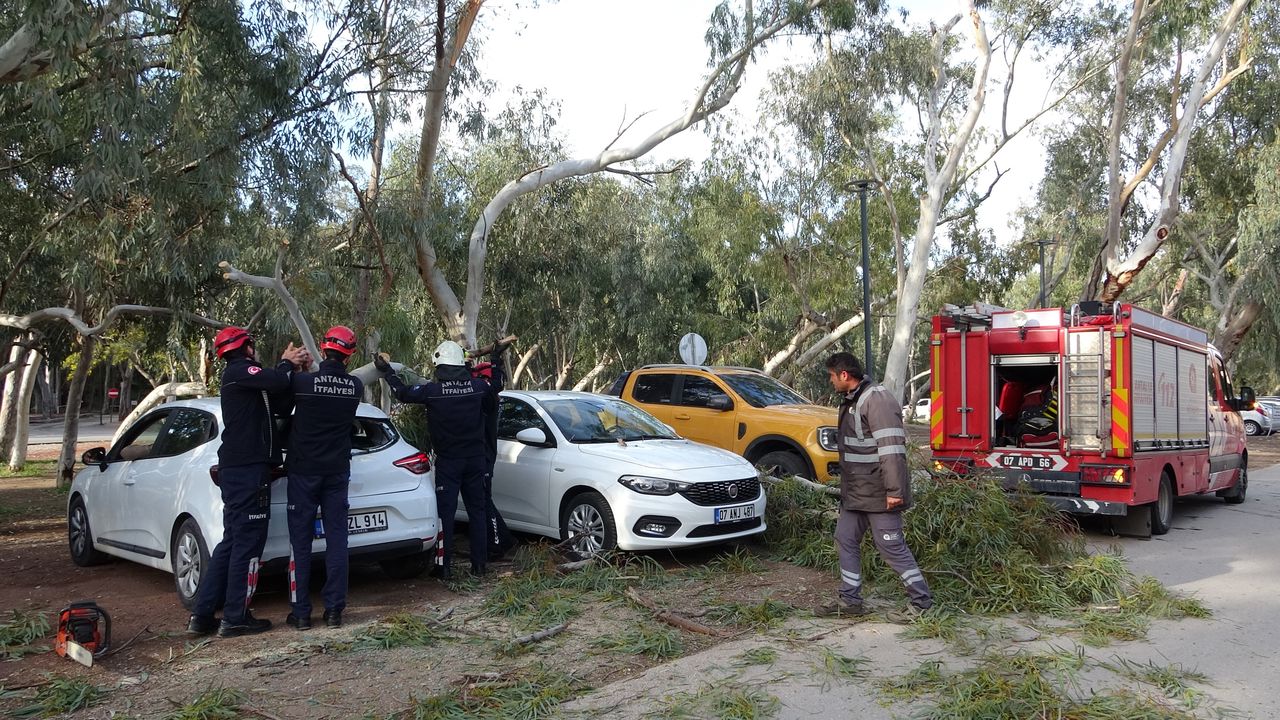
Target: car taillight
pixel 1104 475
pixel 1262 409
pixel 213 474
pixel 418 463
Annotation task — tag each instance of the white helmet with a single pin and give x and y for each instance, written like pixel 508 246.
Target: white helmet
pixel 448 353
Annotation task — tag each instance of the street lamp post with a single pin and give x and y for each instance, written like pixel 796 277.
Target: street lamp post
pixel 861 187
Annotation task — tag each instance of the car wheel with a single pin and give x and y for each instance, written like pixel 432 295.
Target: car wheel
pixel 190 557
pixel 80 537
pixel 1236 495
pixel 783 463
pixel 1251 427
pixel 407 567
pixel 1162 508
pixel 588 518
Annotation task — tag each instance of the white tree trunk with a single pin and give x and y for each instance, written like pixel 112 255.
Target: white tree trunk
pixel 939 182
pixel 822 345
pixel 595 371
pixel 9 399
pixel 525 357
pixel 807 329
pixel 22 412
pixel 157 396
pixel 1120 273
pixel 276 283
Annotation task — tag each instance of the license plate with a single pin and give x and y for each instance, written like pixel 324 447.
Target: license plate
pixel 1027 462
pixel 359 522
pixel 735 513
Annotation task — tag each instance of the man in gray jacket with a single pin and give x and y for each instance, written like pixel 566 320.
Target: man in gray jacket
pixel 875 487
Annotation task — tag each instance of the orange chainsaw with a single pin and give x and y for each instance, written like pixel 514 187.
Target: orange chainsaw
pixel 84 632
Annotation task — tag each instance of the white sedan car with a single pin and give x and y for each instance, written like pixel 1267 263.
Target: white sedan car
pixel 598 469
pixel 151 498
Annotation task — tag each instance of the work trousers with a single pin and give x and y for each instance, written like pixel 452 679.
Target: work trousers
pixel 329 493
pixel 232 575
pixel 466 475
pixel 886 529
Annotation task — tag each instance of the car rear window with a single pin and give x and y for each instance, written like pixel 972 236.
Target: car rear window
pixel 371 434
pixel 654 388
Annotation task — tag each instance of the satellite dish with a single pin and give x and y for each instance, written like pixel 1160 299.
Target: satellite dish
pixel 693 349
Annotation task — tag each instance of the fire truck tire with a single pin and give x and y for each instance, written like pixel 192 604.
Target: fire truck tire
pixel 784 463
pixel 1236 495
pixel 1251 428
pixel 1162 508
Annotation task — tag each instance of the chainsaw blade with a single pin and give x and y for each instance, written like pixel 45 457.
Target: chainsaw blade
pixel 77 652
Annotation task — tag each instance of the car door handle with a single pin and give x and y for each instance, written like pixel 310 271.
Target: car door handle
pixel 683 416
pixel 130 478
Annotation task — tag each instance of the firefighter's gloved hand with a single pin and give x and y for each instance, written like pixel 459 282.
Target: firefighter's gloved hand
pixel 381 364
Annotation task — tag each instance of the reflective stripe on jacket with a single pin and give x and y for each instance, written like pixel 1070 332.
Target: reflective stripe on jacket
pixel 873 450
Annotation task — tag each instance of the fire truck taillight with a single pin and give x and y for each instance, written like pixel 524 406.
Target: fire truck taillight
pixel 1104 475
pixel 951 467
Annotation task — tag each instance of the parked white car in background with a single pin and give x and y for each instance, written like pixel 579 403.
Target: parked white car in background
pixel 918 412
pixel 1259 420
pixel 594 467
pixel 151 498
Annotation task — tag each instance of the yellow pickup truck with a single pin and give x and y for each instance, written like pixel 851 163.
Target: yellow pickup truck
pixel 741 410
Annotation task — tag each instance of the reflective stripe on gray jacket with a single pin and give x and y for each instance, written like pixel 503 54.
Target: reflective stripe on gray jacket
pixel 873 450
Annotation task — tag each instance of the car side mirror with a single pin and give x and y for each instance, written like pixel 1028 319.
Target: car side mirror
pixel 537 437
pixel 1247 398
pixel 94 456
pixel 720 402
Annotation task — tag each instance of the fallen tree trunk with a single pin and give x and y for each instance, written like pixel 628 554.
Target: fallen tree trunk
pixel 671 618
pixel 156 397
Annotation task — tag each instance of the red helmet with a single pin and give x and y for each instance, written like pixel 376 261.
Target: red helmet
pixel 482 370
pixel 339 339
pixel 231 338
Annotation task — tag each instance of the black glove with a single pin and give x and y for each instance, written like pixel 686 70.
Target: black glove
pixel 380 364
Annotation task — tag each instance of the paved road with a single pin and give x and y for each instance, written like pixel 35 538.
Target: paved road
pixel 50 433
pixel 1224 554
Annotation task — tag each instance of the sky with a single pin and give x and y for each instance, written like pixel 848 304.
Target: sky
pixel 607 61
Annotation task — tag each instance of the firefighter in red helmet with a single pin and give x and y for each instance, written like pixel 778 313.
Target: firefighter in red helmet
pixel 252 396
pixel 319 467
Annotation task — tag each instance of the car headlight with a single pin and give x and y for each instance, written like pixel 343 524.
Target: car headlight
pixel 829 438
pixel 653 485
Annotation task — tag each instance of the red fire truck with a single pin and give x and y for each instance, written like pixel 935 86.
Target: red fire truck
pixel 1113 411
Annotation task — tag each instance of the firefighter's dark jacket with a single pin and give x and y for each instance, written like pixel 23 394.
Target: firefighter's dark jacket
pixel 456 406
pixel 325 404
pixel 252 396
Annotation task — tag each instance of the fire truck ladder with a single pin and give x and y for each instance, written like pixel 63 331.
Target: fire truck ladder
pixel 1084 392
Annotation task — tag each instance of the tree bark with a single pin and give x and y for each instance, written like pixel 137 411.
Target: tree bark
pixel 939 182
pixel 30 320
pixel 71 423
pixel 525 357
pixel 778 359
pixel 9 398
pixel 22 411
pixel 824 343
pixel 1231 330
pixel 591 375
pixel 1120 274
pixel 276 283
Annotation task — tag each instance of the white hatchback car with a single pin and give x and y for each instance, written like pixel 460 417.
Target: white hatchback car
pixel 151 498
pixel 601 470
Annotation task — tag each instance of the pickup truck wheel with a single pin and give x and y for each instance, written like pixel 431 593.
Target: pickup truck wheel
pixel 1236 495
pixel 783 463
pixel 1162 508
pixel 1252 428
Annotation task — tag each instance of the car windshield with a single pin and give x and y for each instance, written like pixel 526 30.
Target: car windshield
pixel 604 419
pixel 762 390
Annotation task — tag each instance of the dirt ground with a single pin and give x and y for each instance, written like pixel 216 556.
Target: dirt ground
pixel 333 673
